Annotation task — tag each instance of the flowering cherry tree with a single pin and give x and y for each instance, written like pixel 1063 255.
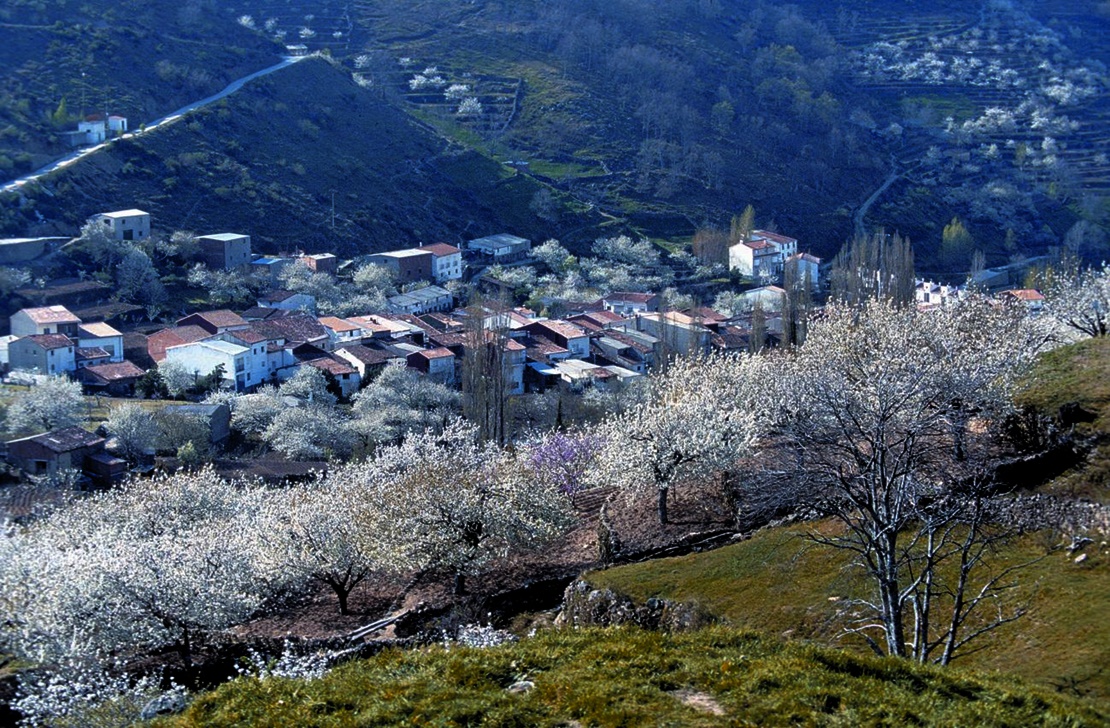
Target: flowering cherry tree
pixel 1079 301
pixel 699 418
pixel 450 502
pixel 154 565
pixel 51 403
pixel 325 531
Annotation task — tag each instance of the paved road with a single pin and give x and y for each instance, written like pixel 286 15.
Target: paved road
pixel 69 159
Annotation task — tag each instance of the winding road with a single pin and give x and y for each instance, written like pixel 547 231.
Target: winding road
pixel 16 184
pixel 859 230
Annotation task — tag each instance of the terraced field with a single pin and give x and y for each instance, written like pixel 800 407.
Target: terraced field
pixel 1007 61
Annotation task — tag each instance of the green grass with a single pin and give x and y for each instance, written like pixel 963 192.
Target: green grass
pixel 564 170
pixel 626 677
pixel 1078 373
pixel 781 583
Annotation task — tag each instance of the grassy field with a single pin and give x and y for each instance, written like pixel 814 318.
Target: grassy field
pixel 1080 374
pixel 781 583
pixel 624 677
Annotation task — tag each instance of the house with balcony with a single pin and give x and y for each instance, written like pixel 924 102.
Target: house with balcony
pixel 44 320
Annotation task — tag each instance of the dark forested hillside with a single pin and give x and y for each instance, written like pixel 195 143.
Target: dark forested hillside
pixel 829 119
pixel 303 158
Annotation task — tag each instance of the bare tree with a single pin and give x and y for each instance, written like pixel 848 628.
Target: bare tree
pixel 877 267
pixel 885 428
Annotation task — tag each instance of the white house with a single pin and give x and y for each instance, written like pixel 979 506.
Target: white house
pixel 447 262
pixel 202 357
pixel 341 331
pixel 101 336
pixel 769 298
pixel 94 130
pixel 51 354
pixel 763 253
pixel 125 224
pixel 44 320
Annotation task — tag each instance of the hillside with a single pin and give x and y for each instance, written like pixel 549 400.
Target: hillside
pixel 274 158
pixel 61 60
pixel 664 116
pixel 624 677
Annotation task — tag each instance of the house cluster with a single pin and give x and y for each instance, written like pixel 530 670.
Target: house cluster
pixel 764 255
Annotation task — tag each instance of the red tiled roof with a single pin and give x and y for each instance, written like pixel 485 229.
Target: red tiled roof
pixel 118 372
pixel 440 352
pixel 775 237
pixel 366 355
pixel 299 327
pixel 332 366
pixel 50 341
pixel 1026 294
pixel 159 341
pixel 51 315
pixel 246 336
pixel 337 324
pixel 219 319
pixel 562 328
pixel 440 249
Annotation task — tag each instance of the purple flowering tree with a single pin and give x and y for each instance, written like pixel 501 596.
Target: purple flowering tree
pixel 562 460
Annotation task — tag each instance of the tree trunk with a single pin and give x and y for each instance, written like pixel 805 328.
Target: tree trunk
pixel 342 593
pixel 460 584
pixel 662 505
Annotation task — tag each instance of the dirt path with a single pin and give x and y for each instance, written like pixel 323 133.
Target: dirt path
pixel 857 220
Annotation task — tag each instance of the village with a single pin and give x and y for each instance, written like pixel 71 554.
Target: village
pixel 435 328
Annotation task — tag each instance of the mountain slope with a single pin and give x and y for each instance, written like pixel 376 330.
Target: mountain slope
pixel 274 158
pixel 60 60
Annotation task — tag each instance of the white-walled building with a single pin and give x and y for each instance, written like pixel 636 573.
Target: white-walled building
pixel 125 224
pixel 51 354
pixel 101 336
pixel 762 254
pixel 447 262
pixel 202 357
pixel 44 320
